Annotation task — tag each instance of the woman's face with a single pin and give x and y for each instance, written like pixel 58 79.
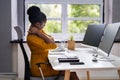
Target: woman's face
pixel 40 25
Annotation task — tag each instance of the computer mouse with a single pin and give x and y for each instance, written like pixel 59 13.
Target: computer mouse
pixel 94 60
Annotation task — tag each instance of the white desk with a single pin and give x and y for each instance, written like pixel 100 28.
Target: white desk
pixel 85 55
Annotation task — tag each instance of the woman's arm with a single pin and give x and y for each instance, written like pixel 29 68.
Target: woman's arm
pixel 35 31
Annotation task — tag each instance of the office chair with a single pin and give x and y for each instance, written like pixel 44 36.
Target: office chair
pixel 27 74
pixel 94 34
pixel 109 37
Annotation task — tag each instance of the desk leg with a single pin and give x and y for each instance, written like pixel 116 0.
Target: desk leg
pixel 67 75
pixel 88 75
pixel 119 73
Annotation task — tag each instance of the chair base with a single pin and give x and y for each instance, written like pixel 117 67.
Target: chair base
pixel 47 78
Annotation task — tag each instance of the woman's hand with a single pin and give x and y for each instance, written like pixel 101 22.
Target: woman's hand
pixel 34 30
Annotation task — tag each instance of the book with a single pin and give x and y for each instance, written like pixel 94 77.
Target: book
pixel 68 59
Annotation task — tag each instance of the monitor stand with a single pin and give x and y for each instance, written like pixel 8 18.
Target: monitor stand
pixel 99 56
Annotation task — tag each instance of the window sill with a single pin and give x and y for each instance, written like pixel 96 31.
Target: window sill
pixel 16 41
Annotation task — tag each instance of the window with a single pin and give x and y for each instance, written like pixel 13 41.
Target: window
pixel 68 17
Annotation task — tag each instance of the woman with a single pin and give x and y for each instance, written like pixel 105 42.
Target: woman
pixel 39 43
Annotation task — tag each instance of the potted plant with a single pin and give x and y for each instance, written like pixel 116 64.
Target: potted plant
pixel 71 43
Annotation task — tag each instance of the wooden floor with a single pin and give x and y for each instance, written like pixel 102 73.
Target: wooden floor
pixel 80 79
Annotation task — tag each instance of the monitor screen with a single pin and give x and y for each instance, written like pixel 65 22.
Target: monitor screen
pixel 109 37
pixel 94 34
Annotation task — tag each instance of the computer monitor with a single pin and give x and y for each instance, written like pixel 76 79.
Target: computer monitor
pixel 94 34
pixel 109 37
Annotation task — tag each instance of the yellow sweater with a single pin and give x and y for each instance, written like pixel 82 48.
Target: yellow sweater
pixel 39 53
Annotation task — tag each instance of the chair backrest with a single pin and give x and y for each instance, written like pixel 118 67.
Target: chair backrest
pixel 109 37
pixel 26 60
pixel 94 34
pixel 19 32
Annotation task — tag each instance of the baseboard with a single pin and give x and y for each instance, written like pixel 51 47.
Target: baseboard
pixel 102 79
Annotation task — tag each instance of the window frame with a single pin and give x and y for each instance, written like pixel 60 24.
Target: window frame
pixel 64 18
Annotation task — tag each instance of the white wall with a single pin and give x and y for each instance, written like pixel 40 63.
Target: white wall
pixel 14 19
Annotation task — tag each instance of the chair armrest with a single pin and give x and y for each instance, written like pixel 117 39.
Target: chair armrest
pixel 39 64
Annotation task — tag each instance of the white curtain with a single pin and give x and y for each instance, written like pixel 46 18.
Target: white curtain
pixel 108 11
